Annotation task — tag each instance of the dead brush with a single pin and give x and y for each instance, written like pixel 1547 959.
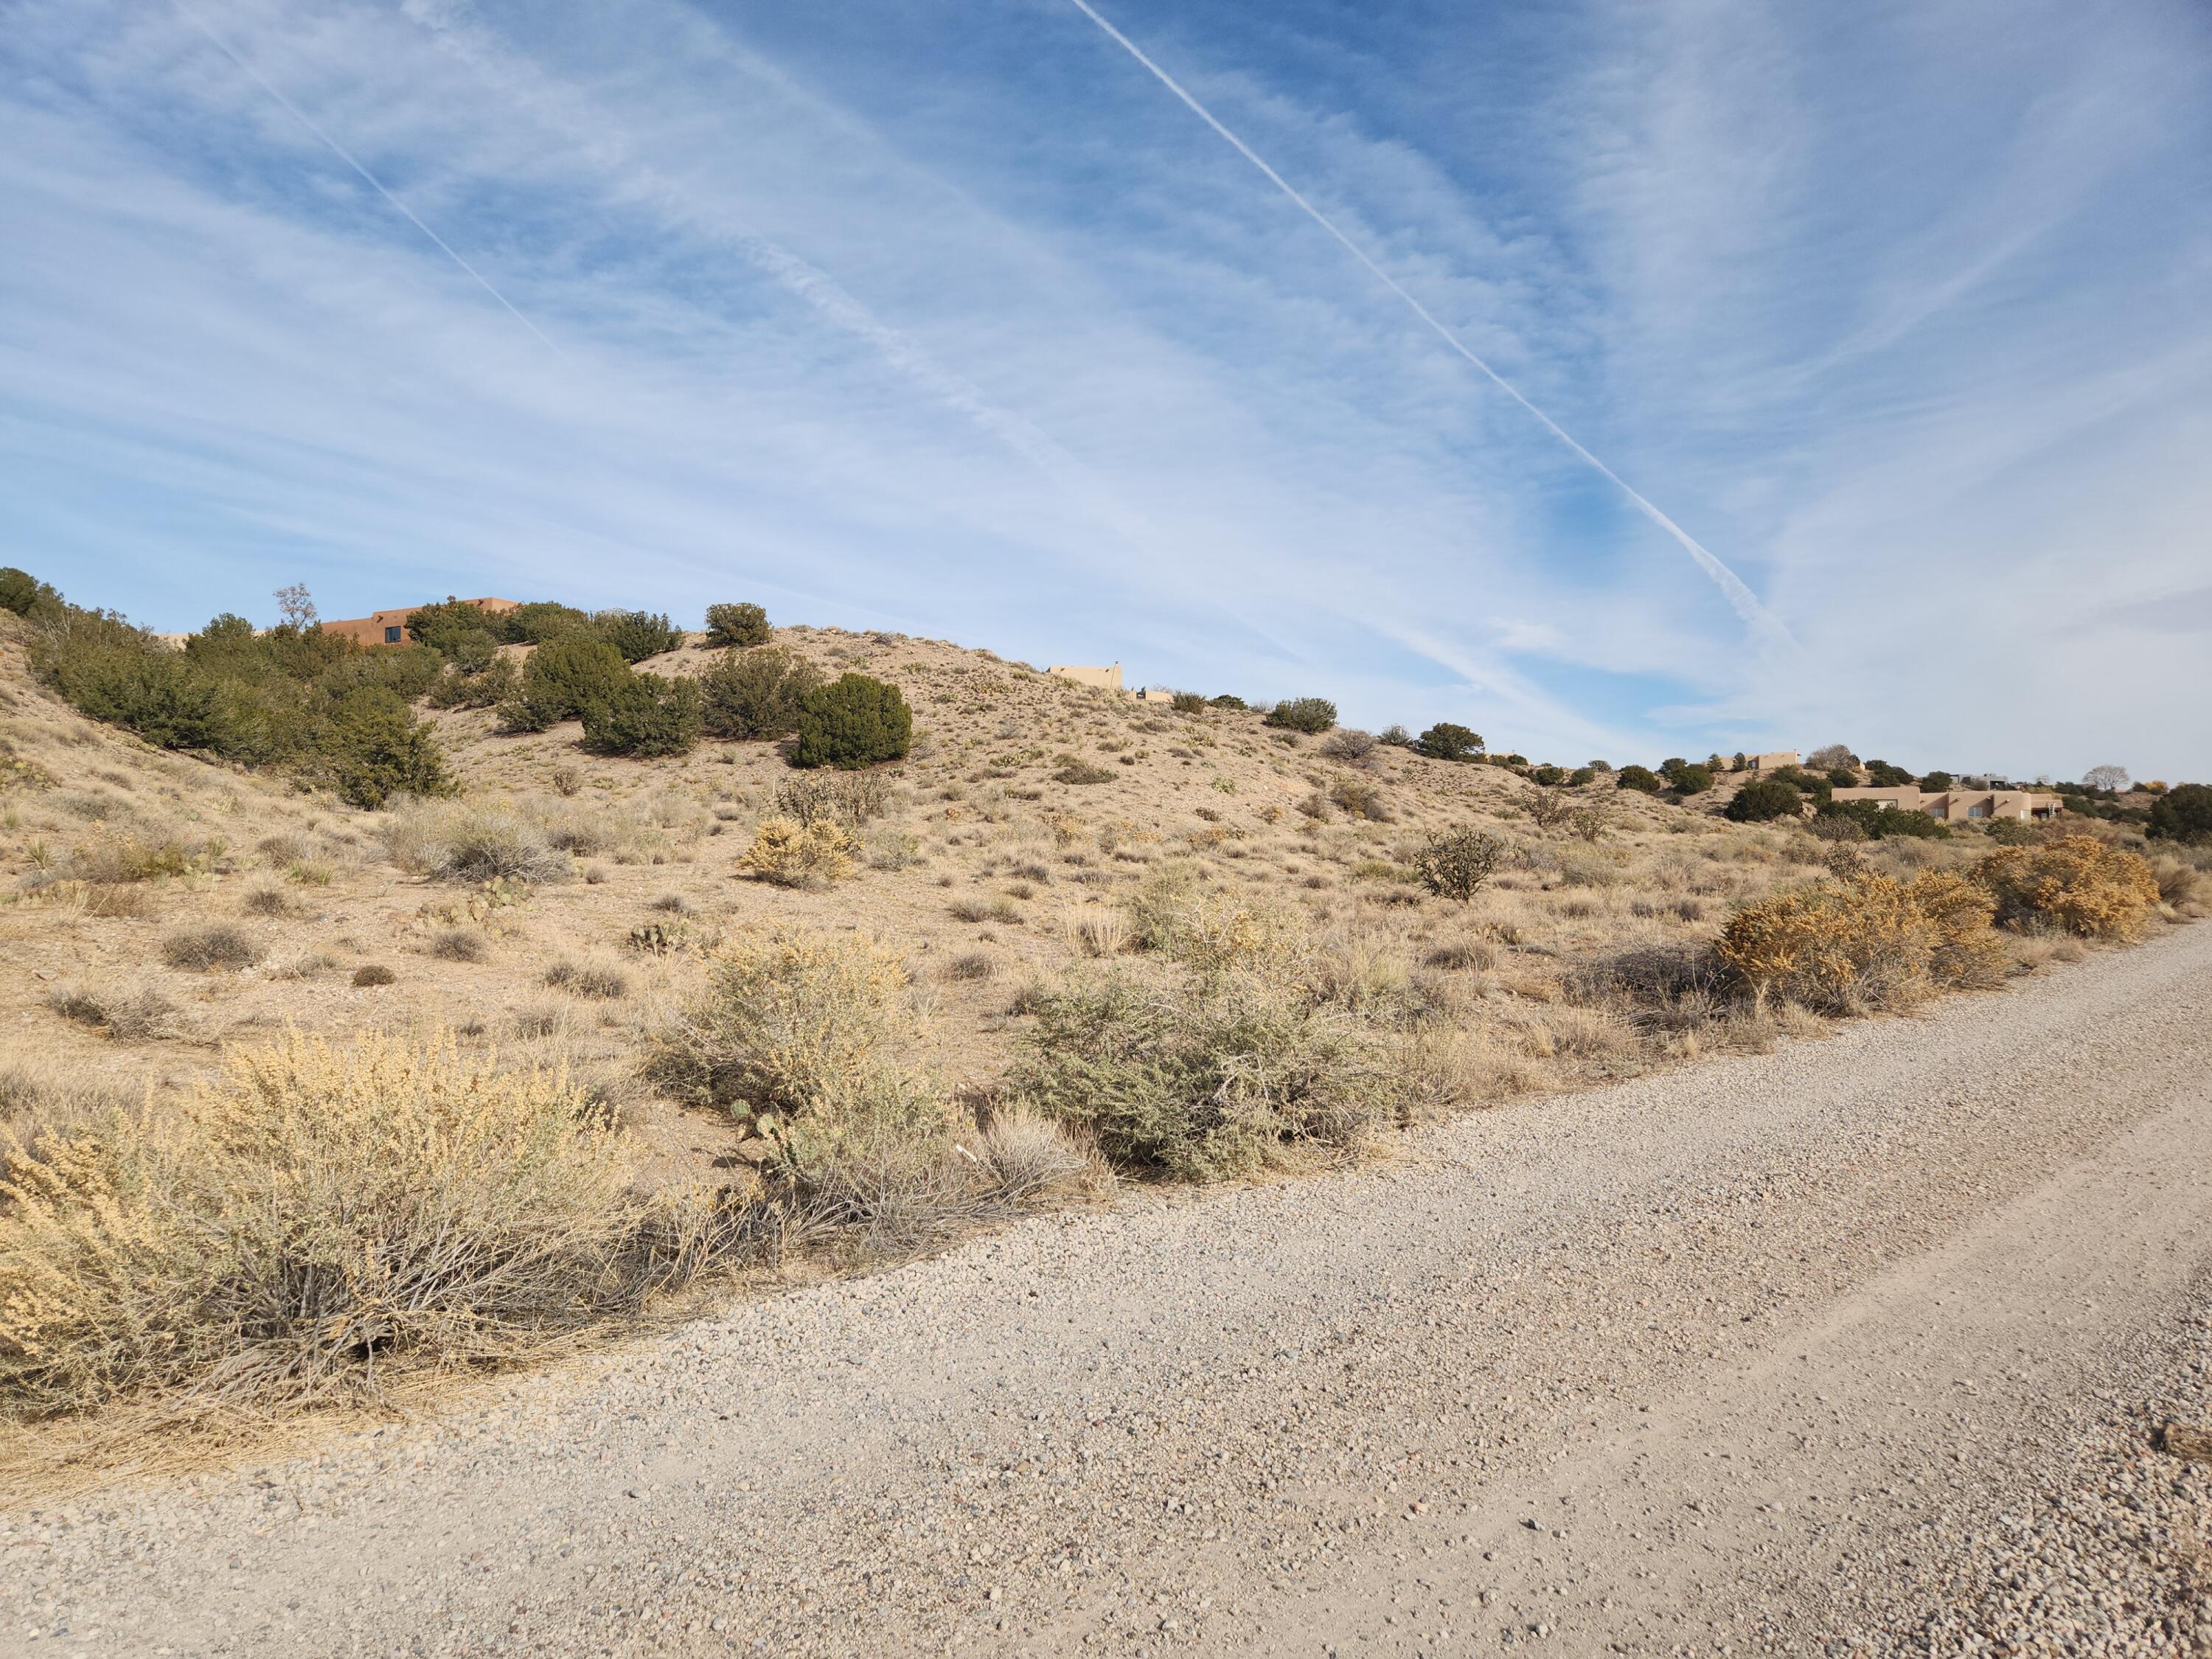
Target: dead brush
pixel 459 944
pixel 465 842
pixel 210 948
pixel 141 1015
pixel 600 981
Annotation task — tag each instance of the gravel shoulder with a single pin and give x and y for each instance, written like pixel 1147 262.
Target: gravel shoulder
pixel 1845 1349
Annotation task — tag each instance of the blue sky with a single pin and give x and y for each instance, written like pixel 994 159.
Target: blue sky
pixel 952 319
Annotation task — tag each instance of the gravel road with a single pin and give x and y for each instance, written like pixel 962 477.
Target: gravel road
pixel 1849 1349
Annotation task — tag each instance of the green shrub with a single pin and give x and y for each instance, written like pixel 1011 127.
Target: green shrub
pixel 564 676
pixel 756 693
pixel 1936 782
pixel 1692 780
pixel 852 722
pixel 1307 714
pixel 374 748
pixel 487 688
pixel 539 621
pixel 24 594
pixel 1186 702
pixel 1642 779
pixel 1455 865
pixel 298 698
pixel 1396 736
pixel 1228 700
pixel 737 625
pixel 1206 1083
pixel 1762 801
pixel 1882 822
pixel 1882 775
pixel 646 715
pixel 1449 742
pixel 440 626
pixel 636 635
pixel 1813 785
pixel 2183 814
pixel 1551 777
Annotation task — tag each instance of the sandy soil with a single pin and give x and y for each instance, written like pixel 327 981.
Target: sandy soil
pixel 1850 1348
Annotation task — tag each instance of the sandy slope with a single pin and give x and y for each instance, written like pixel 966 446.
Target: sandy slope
pixel 1777 1354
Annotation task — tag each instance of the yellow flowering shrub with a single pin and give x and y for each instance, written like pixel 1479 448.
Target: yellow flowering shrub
pixel 794 854
pixel 2078 884
pixel 1845 948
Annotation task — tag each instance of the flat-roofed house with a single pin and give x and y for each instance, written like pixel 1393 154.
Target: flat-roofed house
pixel 1959 806
pixel 1108 679
pixel 390 626
pixel 1773 763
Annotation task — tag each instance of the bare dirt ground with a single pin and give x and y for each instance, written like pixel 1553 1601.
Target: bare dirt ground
pixel 1850 1348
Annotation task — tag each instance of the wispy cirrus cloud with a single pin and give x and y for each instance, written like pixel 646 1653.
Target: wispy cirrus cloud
pixel 909 317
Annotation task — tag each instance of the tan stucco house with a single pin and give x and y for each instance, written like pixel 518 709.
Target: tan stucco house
pixel 1773 763
pixel 1958 805
pixel 1108 679
pixel 390 626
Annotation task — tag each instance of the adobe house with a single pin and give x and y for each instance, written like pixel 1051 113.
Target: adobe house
pixel 1959 806
pixel 1773 763
pixel 390 626
pixel 1104 679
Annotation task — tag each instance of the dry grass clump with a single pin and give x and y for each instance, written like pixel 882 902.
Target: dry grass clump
pixel 1027 1158
pixel 806 1037
pixel 211 946
pixel 1209 1080
pixel 371 975
pixel 1844 948
pixel 2077 883
pixel 266 900
pixel 468 842
pixel 1097 933
pixel 36 1094
pixel 299 1227
pixel 116 857
pixel 790 853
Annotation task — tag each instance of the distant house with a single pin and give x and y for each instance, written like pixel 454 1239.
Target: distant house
pixel 1958 805
pixel 1104 679
pixel 1773 763
pixel 390 626
pixel 1154 694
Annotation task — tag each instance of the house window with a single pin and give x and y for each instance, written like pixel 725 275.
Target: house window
pixel 1977 812
pixel 391 636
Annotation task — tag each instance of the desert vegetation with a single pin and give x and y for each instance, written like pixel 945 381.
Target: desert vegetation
pixel 718 951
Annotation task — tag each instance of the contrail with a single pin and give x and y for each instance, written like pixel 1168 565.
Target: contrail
pixel 1745 602
pixel 375 183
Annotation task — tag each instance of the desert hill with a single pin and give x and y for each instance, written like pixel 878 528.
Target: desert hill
pixel 985 867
